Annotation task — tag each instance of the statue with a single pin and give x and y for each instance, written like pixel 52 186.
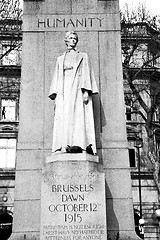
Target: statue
pixel 72 86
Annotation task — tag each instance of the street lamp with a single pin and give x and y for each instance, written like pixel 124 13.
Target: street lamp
pixel 5 198
pixel 157 214
pixel 139 144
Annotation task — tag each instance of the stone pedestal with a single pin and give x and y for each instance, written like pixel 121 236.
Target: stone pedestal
pixel 72 200
pixel 97 23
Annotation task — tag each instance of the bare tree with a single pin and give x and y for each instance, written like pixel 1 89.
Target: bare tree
pixel 141 56
pixel 10 48
pixel 10 24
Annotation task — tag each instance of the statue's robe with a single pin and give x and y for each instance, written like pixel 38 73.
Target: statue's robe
pixel 73 120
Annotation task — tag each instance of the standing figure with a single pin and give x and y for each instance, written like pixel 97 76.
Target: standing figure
pixel 72 85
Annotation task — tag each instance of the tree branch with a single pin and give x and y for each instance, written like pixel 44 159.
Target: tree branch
pixel 135 91
pixel 141 114
pixel 145 64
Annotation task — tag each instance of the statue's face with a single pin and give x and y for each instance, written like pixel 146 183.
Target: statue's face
pixel 71 41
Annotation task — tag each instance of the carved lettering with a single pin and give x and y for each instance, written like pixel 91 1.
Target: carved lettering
pixel 75 22
pixel 82 207
pixel 91 21
pixel 60 21
pixel 73 205
pixel 74 232
pixel 78 22
pixel 72 188
pixel 70 22
pixel 50 23
pixel 43 22
pixel 100 21
pixel 67 198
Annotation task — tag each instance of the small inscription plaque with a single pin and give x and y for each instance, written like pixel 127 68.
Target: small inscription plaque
pixel 73 207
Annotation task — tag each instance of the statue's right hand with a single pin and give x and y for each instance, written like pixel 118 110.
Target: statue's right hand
pixel 85 97
pixel 52 96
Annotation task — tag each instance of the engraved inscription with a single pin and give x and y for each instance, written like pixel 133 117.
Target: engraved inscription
pixel 68 202
pixel 74 207
pixel 74 232
pixel 72 22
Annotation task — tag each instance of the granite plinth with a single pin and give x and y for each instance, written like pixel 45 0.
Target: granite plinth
pixel 58 156
pixel 73 201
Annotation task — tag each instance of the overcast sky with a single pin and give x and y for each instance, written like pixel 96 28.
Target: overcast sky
pixel 152 5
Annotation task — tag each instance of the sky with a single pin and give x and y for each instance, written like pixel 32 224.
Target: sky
pixel 152 5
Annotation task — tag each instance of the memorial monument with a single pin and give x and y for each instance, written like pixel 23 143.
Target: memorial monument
pixel 72 85
pixel 73 184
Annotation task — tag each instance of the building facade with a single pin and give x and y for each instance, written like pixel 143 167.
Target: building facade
pixel 141 65
pixel 10 73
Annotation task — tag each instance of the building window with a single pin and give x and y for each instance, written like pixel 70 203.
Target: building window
pixel 8 110
pixel 7 152
pixel 11 55
pixel 129 98
pixel 132 157
pixel 128 113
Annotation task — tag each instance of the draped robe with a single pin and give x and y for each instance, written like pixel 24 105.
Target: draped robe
pixel 73 120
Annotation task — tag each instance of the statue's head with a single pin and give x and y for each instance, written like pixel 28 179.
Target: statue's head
pixel 71 38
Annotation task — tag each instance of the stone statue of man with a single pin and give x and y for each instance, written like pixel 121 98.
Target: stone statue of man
pixel 72 86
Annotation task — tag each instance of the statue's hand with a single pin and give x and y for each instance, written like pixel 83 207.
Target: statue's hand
pixel 85 97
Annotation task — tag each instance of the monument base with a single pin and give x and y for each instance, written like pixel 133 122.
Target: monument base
pixel 58 156
pixel 73 199
pixel 73 202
